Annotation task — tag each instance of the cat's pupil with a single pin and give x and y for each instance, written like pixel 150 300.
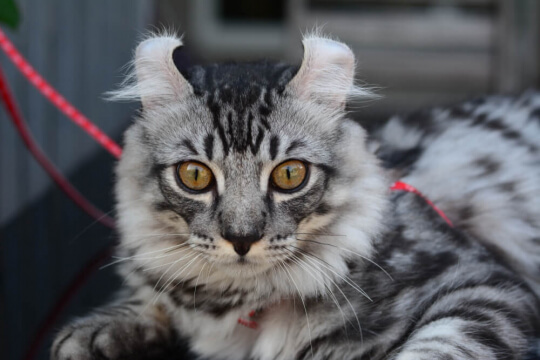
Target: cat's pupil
pixel 288 173
pixel 196 174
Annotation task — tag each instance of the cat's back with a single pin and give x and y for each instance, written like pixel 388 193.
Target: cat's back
pixel 480 162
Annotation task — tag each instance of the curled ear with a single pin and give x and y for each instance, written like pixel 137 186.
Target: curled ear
pixel 155 78
pixel 327 73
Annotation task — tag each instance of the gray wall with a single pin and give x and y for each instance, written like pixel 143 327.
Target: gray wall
pixel 79 46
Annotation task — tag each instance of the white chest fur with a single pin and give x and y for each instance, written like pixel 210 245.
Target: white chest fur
pixel 278 331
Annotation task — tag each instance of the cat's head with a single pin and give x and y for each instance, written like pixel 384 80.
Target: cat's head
pixel 245 168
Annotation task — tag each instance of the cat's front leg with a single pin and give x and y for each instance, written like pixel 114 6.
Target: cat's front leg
pixel 130 329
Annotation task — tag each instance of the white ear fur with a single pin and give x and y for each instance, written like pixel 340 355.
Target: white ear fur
pixel 327 73
pixel 154 78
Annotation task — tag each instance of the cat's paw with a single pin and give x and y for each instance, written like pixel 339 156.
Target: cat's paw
pixel 102 338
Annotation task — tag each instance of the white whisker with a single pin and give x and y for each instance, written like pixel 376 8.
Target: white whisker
pixel 343 294
pixel 167 270
pixel 303 303
pixel 148 268
pixel 174 277
pixel 344 278
pixel 142 256
pixel 352 252
pixel 196 284
pixel 307 267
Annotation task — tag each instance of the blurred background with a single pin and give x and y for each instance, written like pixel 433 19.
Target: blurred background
pixel 418 52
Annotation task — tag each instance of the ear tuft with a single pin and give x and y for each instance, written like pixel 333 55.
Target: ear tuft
pixel 153 78
pixel 327 73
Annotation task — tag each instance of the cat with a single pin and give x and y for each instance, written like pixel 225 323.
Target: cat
pixel 256 223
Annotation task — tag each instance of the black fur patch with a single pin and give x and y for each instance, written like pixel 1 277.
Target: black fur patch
pixel 488 165
pixel 274 146
pixel 466 213
pixel 402 159
pixel 508 186
pixel 209 146
pixel 247 90
pixel 485 336
pixel 294 144
pixel 322 209
pixel 188 144
pixel 535 114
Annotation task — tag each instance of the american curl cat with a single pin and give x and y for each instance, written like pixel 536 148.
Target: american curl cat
pixel 255 223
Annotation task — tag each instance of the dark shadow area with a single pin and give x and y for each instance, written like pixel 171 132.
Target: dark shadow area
pixel 44 248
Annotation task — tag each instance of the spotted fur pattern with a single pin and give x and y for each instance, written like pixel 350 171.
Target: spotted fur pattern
pixel 343 268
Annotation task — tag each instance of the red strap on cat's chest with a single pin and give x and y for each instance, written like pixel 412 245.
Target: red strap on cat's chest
pixel 398 185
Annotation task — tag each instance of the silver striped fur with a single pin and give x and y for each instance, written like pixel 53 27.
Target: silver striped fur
pixel 345 269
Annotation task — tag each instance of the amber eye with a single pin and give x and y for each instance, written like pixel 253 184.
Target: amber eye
pixel 289 175
pixel 195 176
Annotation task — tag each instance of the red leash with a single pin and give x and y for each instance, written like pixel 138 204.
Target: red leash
pixel 58 100
pixel 21 126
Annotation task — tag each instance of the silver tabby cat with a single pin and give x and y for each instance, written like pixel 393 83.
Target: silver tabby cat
pixel 255 223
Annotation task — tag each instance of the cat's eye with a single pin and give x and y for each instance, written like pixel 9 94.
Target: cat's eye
pixel 195 176
pixel 289 175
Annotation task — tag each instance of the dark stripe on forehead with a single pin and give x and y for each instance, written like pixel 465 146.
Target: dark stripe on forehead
pixel 295 144
pixel 189 145
pixel 215 110
pixel 274 147
pixel 209 146
pixel 260 136
pixel 230 125
pixel 239 129
pixel 265 122
pixel 249 127
pixel 264 110
pixel 268 99
pixel 240 99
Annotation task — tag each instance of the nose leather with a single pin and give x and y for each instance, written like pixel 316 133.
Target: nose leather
pixel 242 243
pixel 241 248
